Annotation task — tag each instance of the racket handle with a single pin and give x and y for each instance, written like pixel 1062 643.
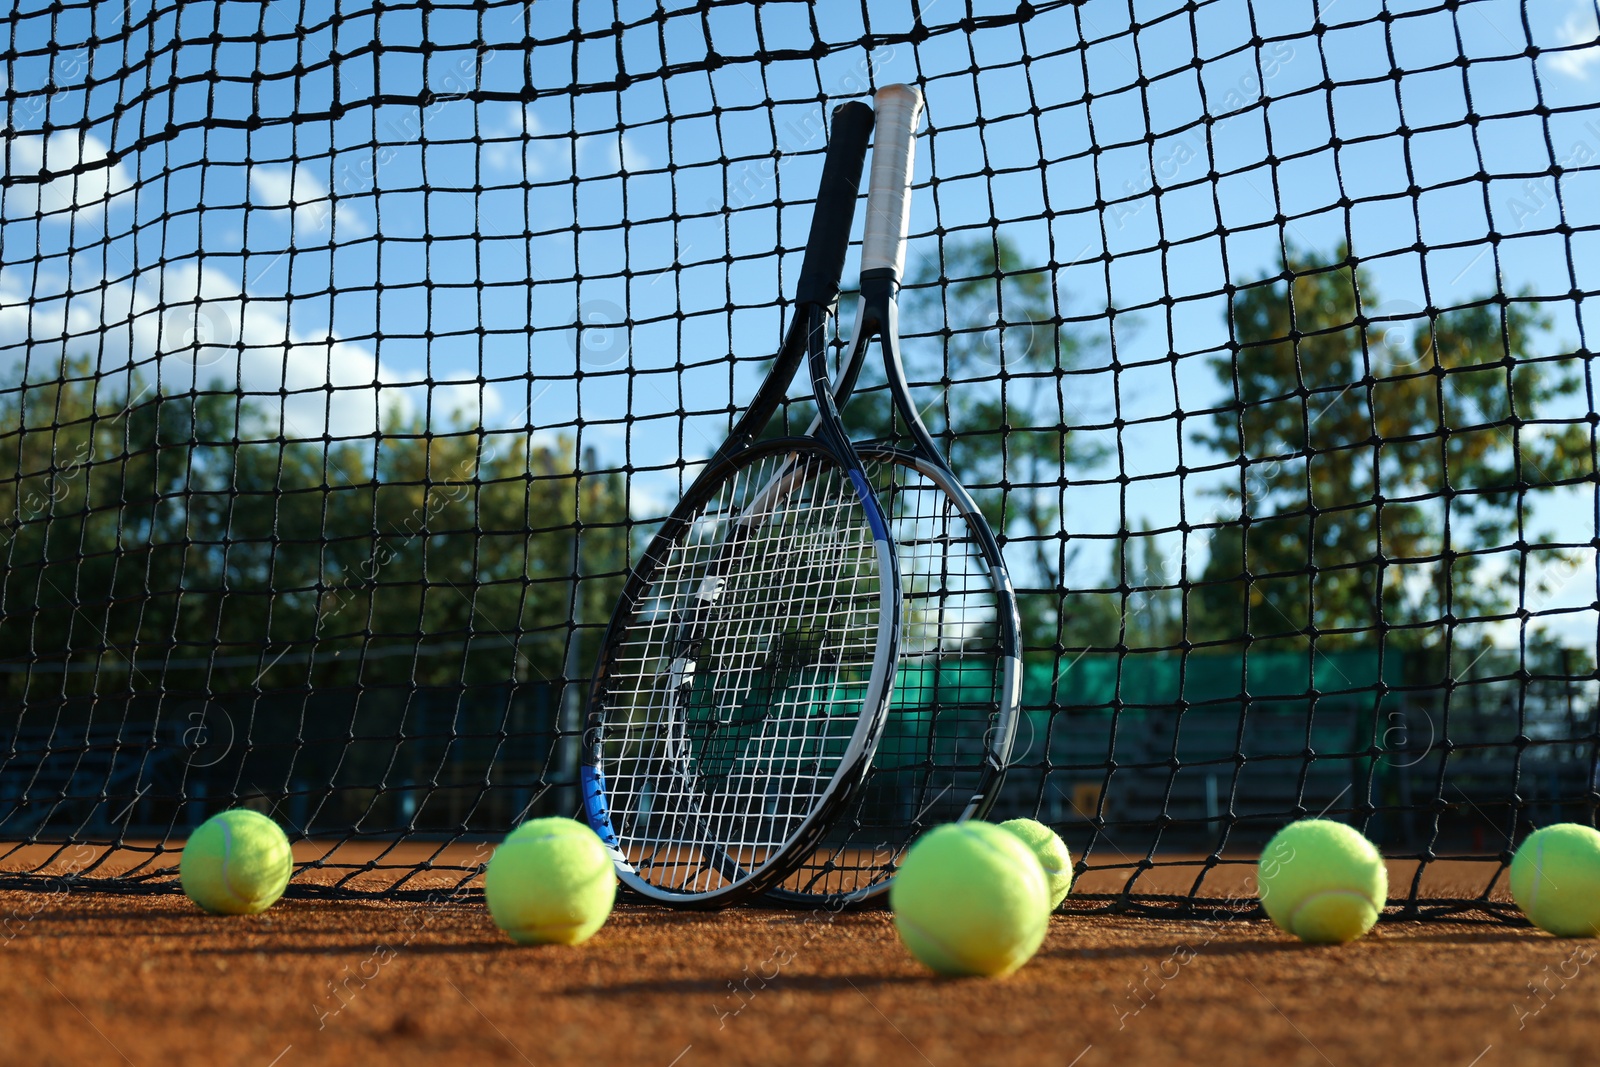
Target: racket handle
pixel 836 205
pixel 883 248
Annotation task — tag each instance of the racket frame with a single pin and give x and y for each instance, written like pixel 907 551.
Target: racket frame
pixel 898 109
pixel 805 339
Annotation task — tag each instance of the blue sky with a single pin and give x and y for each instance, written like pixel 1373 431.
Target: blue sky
pixel 478 212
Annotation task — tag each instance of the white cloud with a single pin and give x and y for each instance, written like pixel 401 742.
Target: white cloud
pixel 459 404
pixel 1581 28
pixel 189 327
pixel 542 154
pixel 505 144
pixel 295 187
pixel 605 153
pixel 98 183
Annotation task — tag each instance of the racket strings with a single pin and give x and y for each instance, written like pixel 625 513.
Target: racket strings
pixel 947 689
pixel 733 696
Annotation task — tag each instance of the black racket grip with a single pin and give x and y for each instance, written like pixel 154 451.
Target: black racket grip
pixel 836 205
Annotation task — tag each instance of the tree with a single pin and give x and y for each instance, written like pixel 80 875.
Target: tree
pixel 102 549
pixel 987 357
pixel 143 537
pixel 1153 615
pixel 1376 460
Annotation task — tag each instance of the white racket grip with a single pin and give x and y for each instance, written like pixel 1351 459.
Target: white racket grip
pixel 883 244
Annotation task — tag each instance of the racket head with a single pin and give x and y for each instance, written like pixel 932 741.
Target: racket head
pixel 745 677
pixel 957 690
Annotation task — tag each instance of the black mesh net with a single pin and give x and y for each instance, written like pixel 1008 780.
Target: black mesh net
pixel 350 352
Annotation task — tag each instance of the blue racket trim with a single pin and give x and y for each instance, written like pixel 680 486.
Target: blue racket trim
pixel 592 784
pixel 869 503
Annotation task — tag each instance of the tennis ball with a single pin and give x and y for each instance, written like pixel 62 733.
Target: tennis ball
pixel 550 882
pixel 237 863
pixel 970 898
pixel 1555 879
pixel 1322 881
pixel 1046 844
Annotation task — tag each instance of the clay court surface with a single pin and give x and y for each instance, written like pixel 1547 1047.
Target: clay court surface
pixel 146 979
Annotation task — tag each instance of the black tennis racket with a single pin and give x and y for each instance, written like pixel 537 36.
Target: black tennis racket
pixel 958 685
pixel 747 668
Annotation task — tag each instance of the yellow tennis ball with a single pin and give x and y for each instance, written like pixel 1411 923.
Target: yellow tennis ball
pixel 970 898
pixel 550 882
pixel 1322 881
pixel 1046 844
pixel 1555 879
pixel 237 863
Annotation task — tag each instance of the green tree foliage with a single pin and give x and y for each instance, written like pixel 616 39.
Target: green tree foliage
pixel 987 357
pixel 145 542
pixel 1153 617
pixel 1382 462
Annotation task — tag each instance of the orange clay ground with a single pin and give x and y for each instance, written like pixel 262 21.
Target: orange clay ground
pixel 147 980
